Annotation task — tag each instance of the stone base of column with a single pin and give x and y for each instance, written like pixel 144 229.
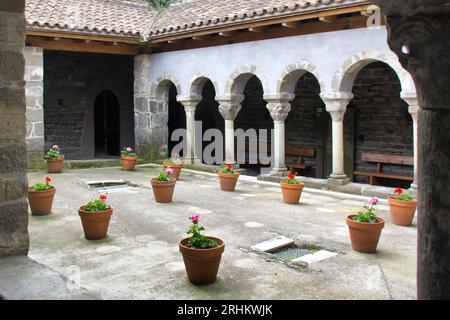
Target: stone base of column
pixel 278 172
pixel 338 180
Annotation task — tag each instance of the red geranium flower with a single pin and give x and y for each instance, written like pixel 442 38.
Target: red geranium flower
pixel 398 191
pixel 229 166
pixel 48 179
pixel 291 176
pixel 103 197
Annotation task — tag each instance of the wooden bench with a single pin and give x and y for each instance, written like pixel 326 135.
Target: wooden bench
pixel 381 159
pixel 301 153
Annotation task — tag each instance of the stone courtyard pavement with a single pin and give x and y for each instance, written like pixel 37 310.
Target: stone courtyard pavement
pixel 140 258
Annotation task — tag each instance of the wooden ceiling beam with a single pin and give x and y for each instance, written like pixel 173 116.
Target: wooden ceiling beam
pixel 83 46
pixel 228 33
pixel 257 29
pixel 291 24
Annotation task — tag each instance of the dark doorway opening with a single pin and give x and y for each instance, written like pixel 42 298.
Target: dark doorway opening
pixel 177 118
pixel 107 124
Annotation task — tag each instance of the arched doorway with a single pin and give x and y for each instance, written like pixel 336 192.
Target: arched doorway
pixel 107 124
pixel 254 115
pixel 207 112
pixel 382 123
pixel 177 116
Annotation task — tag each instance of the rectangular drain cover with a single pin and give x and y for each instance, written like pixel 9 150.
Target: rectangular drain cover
pixel 291 253
pixel 273 244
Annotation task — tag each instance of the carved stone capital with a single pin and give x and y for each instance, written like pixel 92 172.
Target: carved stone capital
pixel 229 110
pixel 336 104
pixel 279 110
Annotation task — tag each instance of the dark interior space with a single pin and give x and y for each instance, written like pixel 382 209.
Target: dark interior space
pixel 107 124
pixel 177 117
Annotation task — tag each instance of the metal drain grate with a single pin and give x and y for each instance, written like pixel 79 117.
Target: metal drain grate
pixel 291 253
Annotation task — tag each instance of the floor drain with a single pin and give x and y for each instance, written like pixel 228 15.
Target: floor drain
pixel 108 186
pixel 292 253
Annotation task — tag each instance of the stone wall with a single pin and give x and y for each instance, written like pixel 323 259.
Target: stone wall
pixel 34 89
pixel 13 182
pixel 383 124
pixel 72 83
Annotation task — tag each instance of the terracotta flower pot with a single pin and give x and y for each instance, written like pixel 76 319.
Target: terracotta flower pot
pixel 55 165
pixel 128 163
pixel 402 212
pixel 365 236
pixel 163 190
pixel 41 201
pixel 228 181
pixel 291 192
pixel 202 265
pixel 95 224
pixel 175 167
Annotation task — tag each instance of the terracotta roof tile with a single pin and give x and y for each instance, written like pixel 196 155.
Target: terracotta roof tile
pixel 135 18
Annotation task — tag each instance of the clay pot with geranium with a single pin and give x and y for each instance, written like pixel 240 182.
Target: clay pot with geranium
pixel 95 217
pixel 365 228
pixel 163 185
pixel 40 197
pixel 175 163
pixel 228 178
pixel 128 158
pixel 55 159
pixel 201 254
pixel 403 207
pixel 291 189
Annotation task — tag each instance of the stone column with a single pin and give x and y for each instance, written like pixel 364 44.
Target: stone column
pixel 190 105
pixel 279 108
pixel 229 108
pixel 34 91
pixel 13 163
pixel 336 104
pixel 413 110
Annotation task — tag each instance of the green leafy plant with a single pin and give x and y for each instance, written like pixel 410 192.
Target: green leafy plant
pixel 291 179
pixel 43 186
pixel 127 152
pixel 402 196
pixel 54 152
pixel 197 240
pixel 227 169
pixel 175 159
pixel 97 205
pixel 165 175
pixel 159 5
pixel 368 214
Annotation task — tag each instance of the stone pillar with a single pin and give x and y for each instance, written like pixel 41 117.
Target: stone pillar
pixel 418 34
pixel 13 163
pixel 34 90
pixel 279 108
pixel 413 110
pixel 144 104
pixel 336 104
pixel 229 108
pixel 190 105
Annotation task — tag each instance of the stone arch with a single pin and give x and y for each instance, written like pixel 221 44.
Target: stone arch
pixel 160 87
pixel 239 78
pixel 198 82
pixel 344 78
pixel 293 72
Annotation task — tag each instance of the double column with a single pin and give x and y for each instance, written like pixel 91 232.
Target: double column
pixel 279 107
pixel 336 104
pixel 413 109
pixel 229 107
pixel 190 105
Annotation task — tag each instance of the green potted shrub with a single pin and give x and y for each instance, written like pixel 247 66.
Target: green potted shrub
pixel 228 178
pixel 128 158
pixel 402 206
pixel 365 228
pixel 55 159
pixel 291 189
pixel 95 217
pixel 201 254
pixel 163 185
pixel 175 163
pixel 40 197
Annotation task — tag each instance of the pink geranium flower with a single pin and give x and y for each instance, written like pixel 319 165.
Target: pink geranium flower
pixel 195 217
pixel 55 146
pixel 374 201
pixel 129 149
pixel 169 171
